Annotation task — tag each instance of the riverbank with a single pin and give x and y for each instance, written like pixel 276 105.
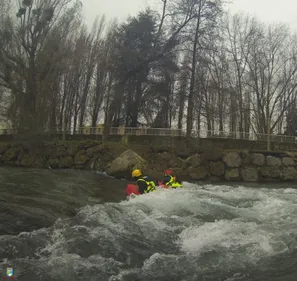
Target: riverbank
pixel 118 159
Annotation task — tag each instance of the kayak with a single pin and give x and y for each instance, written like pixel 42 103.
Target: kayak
pixel 132 188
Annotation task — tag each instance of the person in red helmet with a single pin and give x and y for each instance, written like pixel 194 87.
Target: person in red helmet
pixel 170 180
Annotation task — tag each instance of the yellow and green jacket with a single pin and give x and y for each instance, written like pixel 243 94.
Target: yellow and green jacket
pixel 145 185
pixel 170 181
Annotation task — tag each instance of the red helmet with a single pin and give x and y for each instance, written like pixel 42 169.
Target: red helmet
pixel 168 172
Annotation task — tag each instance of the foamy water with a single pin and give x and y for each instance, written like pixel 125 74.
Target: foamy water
pixel 197 233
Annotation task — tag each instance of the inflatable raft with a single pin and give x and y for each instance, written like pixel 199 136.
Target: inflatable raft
pixel 132 189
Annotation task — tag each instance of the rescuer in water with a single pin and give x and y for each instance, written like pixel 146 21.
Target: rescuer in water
pixel 170 180
pixel 144 184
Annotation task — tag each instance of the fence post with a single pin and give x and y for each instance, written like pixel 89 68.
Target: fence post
pixel 268 134
pixel 64 129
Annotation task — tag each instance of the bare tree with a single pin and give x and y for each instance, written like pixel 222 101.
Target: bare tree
pixel 206 14
pixel 239 30
pixel 272 75
pixel 23 44
pixel 104 76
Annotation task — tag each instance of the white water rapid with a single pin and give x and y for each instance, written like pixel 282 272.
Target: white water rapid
pixel 201 232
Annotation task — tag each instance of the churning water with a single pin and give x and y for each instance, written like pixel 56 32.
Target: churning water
pixel 197 233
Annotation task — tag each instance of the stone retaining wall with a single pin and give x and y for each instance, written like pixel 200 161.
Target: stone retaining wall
pixel 238 166
pixel 210 164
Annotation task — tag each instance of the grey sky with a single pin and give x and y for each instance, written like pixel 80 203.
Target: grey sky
pixel 266 10
pixel 113 8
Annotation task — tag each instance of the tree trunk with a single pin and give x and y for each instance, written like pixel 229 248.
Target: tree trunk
pixel 192 82
pixel 135 110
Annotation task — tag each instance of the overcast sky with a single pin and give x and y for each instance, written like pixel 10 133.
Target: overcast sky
pixel 266 10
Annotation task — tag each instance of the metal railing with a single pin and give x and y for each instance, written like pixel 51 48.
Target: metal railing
pixel 194 133
pixel 166 132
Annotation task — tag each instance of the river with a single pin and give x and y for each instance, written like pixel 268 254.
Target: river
pixel 202 232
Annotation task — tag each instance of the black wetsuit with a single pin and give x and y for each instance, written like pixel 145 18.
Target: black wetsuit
pixel 166 179
pixel 142 185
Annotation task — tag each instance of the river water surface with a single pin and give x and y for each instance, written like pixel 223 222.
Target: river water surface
pixel 202 232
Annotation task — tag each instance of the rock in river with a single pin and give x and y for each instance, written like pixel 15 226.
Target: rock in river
pixel 122 166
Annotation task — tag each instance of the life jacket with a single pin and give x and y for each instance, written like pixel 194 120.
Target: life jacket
pixel 173 183
pixel 150 185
